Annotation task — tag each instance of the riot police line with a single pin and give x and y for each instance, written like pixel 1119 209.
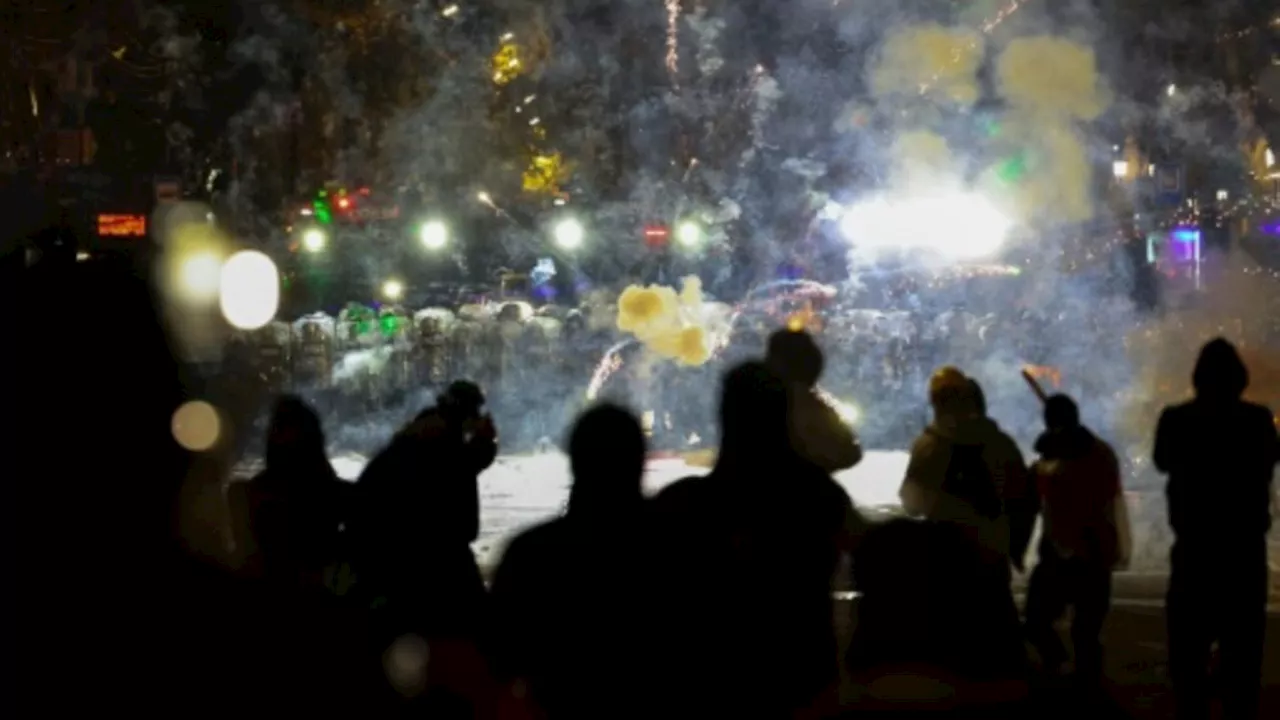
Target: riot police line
pixel 364 359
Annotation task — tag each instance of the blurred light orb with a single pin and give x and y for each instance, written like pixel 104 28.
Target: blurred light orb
pixel 393 289
pixel 434 235
pixel 200 275
pixel 958 226
pixel 569 234
pixel 314 240
pixel 689 234
pixel 406 663
pixel 249 294
pixel 196 426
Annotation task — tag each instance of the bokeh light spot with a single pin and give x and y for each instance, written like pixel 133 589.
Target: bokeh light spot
pixel 196 426
pixel 250 290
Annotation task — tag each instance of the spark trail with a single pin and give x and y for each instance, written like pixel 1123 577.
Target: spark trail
pixel 673 40
pixel 987 28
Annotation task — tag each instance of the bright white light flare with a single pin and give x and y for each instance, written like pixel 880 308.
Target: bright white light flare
pixel 393 289
pixel 959 226
pixel 689 234
pixel 434 235
pixel 314 240
pixel 249 292
pixel 569 234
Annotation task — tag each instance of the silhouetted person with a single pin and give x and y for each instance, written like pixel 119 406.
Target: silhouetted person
pixel 962 463
pixel 1082 540
pixel 1219 453
pixel 296 506
pixel 99 488
pixel 817 431
pixel 956 478
pixel 1010 474
pixel 419 514
pixel 570 595
pixel 748 557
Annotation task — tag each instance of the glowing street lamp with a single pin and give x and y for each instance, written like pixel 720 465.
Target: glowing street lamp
pixel 393 290
pixel 433 234
pixel 1120 169
pixel 569 234
pixel 689 234
pixel 314 240
pixel 249 292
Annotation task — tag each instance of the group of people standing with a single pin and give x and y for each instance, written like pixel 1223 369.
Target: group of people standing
pixel 715 596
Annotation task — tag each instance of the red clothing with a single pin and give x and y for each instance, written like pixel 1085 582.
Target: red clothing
pixel 1078 480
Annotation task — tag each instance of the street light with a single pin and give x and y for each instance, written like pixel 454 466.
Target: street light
pixel 569 234
pixel 249 292
pixel 689 234
pixel 393 290
pixel 314 240
pixel 433 234
pixel 1120 169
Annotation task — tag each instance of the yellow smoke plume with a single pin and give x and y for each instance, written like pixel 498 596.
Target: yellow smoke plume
pixel 930 59
pixel 1051 86
pixel 920 159
pixel 668 323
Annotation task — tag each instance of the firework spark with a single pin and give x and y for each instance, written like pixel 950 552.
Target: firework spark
pixel 673 39
pixel 987 28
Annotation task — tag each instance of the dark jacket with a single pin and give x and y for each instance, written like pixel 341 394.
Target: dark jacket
pixel 1219 452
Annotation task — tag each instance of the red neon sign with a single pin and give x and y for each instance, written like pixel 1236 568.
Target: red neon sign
pixel 122 225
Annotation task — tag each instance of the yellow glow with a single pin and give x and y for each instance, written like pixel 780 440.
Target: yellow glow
pixel 249 292
pixel 196 426
pixel 200 275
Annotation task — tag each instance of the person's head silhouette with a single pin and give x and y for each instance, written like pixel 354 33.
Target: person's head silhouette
pixel 1220 374
pixel 753 414
pixel 795 357
pixel 1061 413
pixel 295 434
pixel 950 392
pixel 607 455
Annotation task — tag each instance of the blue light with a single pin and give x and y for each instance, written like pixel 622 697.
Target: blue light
pixel 1186 235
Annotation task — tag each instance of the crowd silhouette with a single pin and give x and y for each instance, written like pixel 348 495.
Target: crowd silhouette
pixel 713 598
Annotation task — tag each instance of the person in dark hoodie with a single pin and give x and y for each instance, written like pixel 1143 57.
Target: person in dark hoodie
pixel 1084 538
pixel 1219 452
pixel 419 512
pixel 295 507
pixel 769 527
pixel 569 596
pixel 818 434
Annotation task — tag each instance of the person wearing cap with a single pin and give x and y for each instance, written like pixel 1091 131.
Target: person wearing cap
pixel 1084 538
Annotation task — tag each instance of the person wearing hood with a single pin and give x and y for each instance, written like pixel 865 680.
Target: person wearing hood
pixel 1084 538
pixel 1219 452
pixel 963 466
pixel 817 431
pixel 956 480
